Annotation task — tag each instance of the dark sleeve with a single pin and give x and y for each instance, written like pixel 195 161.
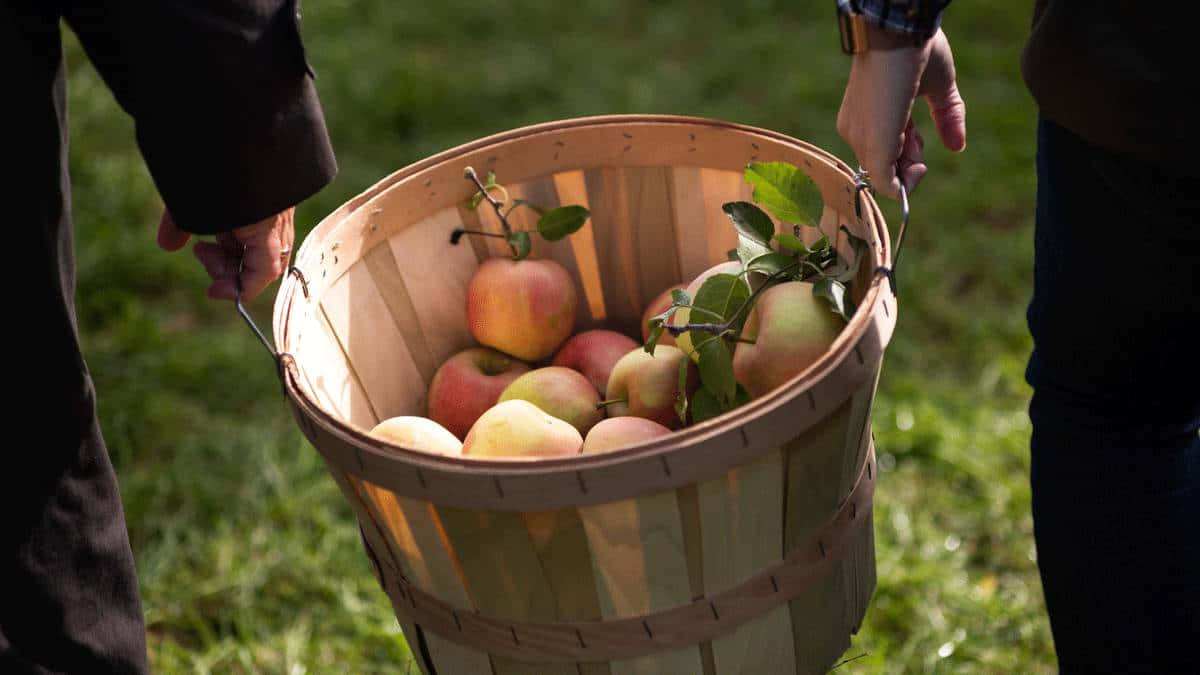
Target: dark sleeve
pixel 226 113
pixel 919 18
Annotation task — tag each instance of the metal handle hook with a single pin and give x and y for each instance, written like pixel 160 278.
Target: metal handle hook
pixel 862 181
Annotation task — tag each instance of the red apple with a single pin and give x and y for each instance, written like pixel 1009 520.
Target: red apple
pixel 560 392
pixel 520 429
pixel 616 432
pixel 594 353
pixel 418 433
pixel 656 307
pixel 469 383
pixel 525 308
pixel 647 386
pixel 791 329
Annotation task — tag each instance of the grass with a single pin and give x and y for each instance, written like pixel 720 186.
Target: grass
pixel 249 557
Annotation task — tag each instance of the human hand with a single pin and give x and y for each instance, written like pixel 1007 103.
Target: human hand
pixel 875 118
pixel 261 251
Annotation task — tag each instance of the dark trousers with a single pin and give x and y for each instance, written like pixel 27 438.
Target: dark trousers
pixel 1115 319
pixel 68 591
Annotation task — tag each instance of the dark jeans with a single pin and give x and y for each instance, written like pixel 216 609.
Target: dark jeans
pixel 1115 319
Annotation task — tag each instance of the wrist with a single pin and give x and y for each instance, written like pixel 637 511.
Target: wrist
pixel 860 34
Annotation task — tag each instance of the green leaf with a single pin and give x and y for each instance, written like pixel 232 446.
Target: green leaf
pixel 656 331
pixel 786 191
pixel 771 263
pixel 716 369
pixel 834 292
pixel 705 406
pixel 821 245
pixel 681 400
pixel 680 297
pixel 559 222
pixel 748 249
pixel 792 243
pixel 750 221
pixel 718 299
pixel 521 244
pixel 475 199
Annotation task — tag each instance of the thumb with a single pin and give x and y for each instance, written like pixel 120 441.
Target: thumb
pixel 170 237
pixel 949 114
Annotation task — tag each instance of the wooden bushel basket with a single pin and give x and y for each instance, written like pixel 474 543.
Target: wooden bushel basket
pixel 740 545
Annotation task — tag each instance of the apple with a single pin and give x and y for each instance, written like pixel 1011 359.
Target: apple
pixel 418 433
pixel 791 329
pixel 680 317
pixel 561 392
pixel 469 383
pixel 647 386
pixel 656 307
pixel 616 432
pixel 525 308
pixel 519 428
pixel 594 353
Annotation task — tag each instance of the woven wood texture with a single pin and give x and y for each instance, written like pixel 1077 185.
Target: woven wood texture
pixel 741 545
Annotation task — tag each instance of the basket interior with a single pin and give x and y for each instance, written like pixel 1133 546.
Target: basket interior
pixel 372 343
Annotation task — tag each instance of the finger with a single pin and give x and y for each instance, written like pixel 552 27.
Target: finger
pixel 912 165
pixel 170 237
pixel 949 114
pixel 218 261
pixel 262 263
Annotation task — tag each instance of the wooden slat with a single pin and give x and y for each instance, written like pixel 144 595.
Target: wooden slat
pixel 562 546
pixel 649 203
pixel 328 375
pixel 688 205
pixel 412 530
pixel 381 265
pixel 814 468
pixel 436 275
pixel 615 250
pixel 689 517
pixel 571 187
pixel 359 317
pixel 742 526
pixel 641 566
pixel 503 574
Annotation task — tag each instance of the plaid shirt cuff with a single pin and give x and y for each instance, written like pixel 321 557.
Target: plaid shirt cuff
pixel 918 18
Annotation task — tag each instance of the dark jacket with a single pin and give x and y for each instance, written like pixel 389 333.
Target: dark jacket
pixel 229 124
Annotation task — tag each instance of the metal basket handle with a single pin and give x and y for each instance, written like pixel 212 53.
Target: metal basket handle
pixel 862 181
pixel 280 358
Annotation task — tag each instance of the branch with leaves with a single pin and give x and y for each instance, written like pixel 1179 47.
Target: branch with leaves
pixel 553 224
pixel 768 259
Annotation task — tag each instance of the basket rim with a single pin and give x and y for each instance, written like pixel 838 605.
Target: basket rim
pixel 868 312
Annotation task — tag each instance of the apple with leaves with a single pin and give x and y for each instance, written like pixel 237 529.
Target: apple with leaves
pixel 521 307
pixel 650 385
pixel 519 429
pixel 561 392
pixel 788 329
pixel 418 433
pixel 616 432
pixel 469 383
pixel 594 353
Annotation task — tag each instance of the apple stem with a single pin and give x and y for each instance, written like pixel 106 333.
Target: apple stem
pixel 604 404
pixel 496 204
